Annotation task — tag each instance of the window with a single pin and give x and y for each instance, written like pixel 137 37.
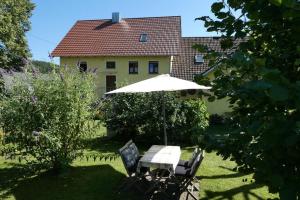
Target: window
pixel 199 59
pixel 144 37
pixel 133 67
pixel 153 67
pixel 82 66
pixel 110 65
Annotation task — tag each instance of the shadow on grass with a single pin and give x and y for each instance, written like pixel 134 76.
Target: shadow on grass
pixel 103 145
pixel 222 176
pixel 92 182
pixel 245 190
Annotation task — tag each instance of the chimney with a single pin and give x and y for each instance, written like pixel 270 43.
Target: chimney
pixel 115 17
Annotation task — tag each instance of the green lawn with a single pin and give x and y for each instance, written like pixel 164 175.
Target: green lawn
pixel 98 180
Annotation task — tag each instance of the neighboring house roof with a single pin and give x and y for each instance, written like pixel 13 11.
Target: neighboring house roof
pixel 184 65
pixel 104 38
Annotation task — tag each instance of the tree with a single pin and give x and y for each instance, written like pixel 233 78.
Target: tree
pixel 45 118
pixel 14 23
pixel 42 66
pixel 261 77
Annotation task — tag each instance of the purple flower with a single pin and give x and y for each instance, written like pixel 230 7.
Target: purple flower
pixel 33 72
pixel 36 133
pixel 34 99
pixel 25 61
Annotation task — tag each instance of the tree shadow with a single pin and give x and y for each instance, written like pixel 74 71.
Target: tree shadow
pixel 229 194
pixel 222 176
pixel 10 176
pixel 92 182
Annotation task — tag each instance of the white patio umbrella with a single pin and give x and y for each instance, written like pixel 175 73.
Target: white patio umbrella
pixel 160 83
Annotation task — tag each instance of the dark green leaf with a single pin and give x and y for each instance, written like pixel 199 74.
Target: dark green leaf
pixel 216 7
pixel 279 93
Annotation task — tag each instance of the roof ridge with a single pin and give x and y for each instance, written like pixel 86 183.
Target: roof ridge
pixel 152 17
pixel 131 18
pixel 190 37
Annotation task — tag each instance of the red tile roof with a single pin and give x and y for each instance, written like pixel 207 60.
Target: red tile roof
pixel 184 66
pixel 104 38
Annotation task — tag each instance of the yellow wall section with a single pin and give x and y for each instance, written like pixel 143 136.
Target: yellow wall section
pixel 122 68
pixel 219 106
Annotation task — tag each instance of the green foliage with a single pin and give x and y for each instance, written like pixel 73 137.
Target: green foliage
pixel 46 117
pixel 43 67
pixel 261 77
pixel 14 23
pixel 130 115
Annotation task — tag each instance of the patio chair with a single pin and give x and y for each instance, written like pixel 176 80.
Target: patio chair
pixel 185 177
pixel 188 163
pixel 130 156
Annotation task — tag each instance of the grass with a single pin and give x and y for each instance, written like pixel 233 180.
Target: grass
pixel 91 180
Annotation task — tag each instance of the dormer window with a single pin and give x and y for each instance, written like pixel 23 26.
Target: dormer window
pixel 144 37
pixel 199 59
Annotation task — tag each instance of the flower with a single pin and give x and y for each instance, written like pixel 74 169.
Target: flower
pixel 34 99
pixel 36 133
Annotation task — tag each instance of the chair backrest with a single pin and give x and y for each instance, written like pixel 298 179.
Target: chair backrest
pixel 196 163
pixel 134 149
pixel 192 159
pixel 129 155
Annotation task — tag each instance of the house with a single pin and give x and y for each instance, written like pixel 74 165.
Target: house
pixel 133 49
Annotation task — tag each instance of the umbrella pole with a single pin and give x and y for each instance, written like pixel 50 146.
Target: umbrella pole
pixel 164 117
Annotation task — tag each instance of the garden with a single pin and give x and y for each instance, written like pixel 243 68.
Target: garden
pixel 43 156
pixel 54 141
pixel 89 179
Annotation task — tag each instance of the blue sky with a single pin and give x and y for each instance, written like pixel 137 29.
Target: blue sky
pixel 52 19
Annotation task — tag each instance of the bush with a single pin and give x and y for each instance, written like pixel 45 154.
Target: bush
pixel 131 115
pixel 216 119
pixel 46 117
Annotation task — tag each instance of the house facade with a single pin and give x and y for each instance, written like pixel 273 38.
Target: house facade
pixel 129 50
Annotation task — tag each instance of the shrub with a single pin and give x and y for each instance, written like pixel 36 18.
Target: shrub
pixel 216 119
pixel 131 115
pixel 46 117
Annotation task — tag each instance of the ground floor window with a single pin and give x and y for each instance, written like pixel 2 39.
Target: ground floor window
pixel 133 67
pixel 110 65
pixel 153 67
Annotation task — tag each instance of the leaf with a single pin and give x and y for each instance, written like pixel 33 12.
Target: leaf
pixel 276 2
pixel 279 93
pixel 201 48
pixel 297 62
pixel 289 3
pixel 292 140
pixel 258 85
pixel 287 194
pixel 276 180
pixel 216 7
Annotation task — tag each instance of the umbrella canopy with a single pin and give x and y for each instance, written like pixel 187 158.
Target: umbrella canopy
pixel 160 83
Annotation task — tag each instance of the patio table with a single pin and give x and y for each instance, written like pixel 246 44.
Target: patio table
pixel 161 157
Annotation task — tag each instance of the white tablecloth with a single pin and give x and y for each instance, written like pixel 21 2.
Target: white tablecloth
pixel 161 157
